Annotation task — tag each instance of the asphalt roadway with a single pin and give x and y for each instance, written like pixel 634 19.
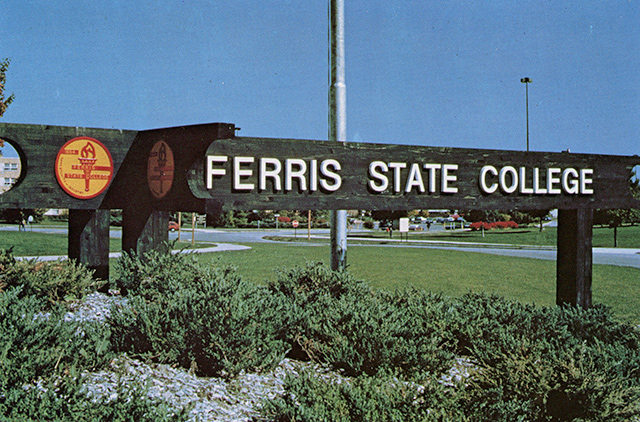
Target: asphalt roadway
pixel 230 239
pixel 623 257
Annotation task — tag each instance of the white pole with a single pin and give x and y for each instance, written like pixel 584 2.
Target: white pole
pixel 337 122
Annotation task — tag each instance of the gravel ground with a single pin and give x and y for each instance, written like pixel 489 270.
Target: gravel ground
pixel 213 399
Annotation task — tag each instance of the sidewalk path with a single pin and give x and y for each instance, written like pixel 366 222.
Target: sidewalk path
pixel 220 247
pixel 622 257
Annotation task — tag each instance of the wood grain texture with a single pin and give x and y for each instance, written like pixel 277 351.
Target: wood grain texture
pixel 38 147
pixel 610 179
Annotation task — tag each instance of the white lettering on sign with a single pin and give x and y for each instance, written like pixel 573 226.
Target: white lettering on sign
pixel 551 181
pixel 328 169
pixel 248 173
pixel 449 178
pixel 380 174
pixel 213 172
pixel 239 173
pixel 290 173
pixel 270 169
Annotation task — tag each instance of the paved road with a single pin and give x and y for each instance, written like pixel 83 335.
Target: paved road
pixel 226 239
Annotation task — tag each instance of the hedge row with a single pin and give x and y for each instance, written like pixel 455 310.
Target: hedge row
pixel 479 225
pixel 530 363
pixel 392 348
pixel 42 357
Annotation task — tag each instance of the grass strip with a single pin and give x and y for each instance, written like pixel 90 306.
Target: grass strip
pixel 452 273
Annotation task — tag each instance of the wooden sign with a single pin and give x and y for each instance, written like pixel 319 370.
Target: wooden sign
pixel 206 168
pixel 64 166
pixel 259 173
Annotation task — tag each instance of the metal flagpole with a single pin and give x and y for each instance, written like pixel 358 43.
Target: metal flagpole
pixel 337 122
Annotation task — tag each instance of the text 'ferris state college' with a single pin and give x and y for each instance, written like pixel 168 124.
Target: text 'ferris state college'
pixel 277 175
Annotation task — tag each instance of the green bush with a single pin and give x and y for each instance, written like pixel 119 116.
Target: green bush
pixel 203 318
pixel 157 273
pixel 55 281
pixel 65 399
pixel 35 345
pixel 330 317
pixel 531 363
pixel 311 397
pixel 547 363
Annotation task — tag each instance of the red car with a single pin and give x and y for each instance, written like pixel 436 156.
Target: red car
pixel 173 226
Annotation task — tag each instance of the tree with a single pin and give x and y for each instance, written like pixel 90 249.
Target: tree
pixel 617 217
pixel 537 214
pixel 4 102
pixel 388 216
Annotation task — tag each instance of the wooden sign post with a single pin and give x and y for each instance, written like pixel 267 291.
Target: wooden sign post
pixel 255 173
pixel 205 168
pixel 574 257
pixel 69 167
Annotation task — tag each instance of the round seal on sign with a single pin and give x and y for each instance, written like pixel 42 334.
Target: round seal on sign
pixel 160 169
pixel 84 167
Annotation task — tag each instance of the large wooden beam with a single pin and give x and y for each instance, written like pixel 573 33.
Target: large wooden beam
pixel 144 230
pixel 89 240
pixel 574 260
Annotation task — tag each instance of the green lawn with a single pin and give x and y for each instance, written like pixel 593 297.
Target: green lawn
pixel 39 244
pixel 450 272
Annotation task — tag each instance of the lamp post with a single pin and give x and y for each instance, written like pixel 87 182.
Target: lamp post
pixel 337 122
pixel 526 82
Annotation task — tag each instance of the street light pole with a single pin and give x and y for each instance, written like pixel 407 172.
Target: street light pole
pixel 337 122
pixel 526 82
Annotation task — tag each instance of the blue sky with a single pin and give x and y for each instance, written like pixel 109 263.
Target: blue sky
pixel 439 73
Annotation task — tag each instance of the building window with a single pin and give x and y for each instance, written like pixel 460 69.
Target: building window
pixel 10 166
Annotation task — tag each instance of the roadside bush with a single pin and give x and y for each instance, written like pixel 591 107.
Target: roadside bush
pixel 546 363
pixel 37 347
pixel 310 397
pixel 203 318
pixel 34 344
pixel 65 399
pixel 330 317
pixel 478 225
pixel 54 281
pixel 157 273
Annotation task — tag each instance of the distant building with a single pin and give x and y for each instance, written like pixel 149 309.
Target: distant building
pixel 10 169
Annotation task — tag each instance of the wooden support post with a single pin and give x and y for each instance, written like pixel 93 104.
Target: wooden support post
pixel 89 240
pixel 574 259
pixel 144 230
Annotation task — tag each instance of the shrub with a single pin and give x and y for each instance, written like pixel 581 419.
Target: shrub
pixel 332 318
pixel 157 273
pixel 312 397
pixel 64 399
pixel 55 281
pixel 546 363
pixel 478 225
pixel 206 319
pixel 34 345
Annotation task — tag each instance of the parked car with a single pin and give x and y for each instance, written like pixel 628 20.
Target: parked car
pixel 173 226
